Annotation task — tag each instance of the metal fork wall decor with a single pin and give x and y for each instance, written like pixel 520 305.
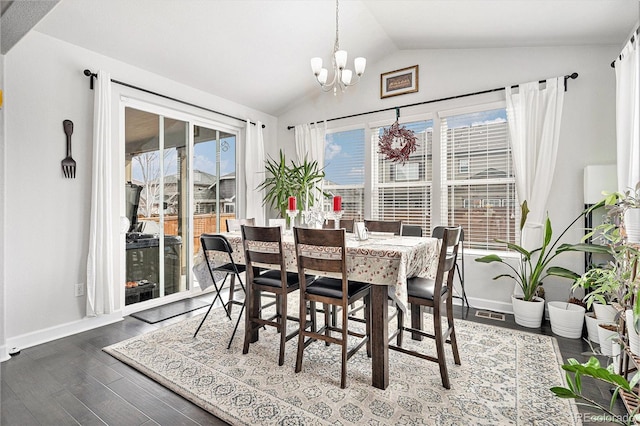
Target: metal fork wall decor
pixel 68 164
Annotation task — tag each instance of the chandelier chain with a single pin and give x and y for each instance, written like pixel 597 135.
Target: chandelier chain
pixel 336 45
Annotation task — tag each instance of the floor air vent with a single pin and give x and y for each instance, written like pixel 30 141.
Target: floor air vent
pixel 490 315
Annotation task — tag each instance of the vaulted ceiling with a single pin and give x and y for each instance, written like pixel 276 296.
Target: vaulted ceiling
pixel 256 52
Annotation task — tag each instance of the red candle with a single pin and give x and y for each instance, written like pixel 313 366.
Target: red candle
pixel 292 203
pixel 337 203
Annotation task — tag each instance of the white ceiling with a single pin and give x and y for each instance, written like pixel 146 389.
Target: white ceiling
pixel 256 52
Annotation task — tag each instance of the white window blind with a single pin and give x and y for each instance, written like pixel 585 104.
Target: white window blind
pixel 344 170
pixel 478 190
pixel 403 192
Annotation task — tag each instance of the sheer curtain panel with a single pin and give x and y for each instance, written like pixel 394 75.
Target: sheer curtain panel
pixel 310 143
pixel 534 115
pixel 100 274
pixel 627 68
pixel 254 172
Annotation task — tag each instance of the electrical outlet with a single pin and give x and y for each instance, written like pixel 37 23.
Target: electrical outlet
pixel 79 289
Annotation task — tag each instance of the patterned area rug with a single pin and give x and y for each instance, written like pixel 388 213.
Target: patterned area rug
pixel 504 378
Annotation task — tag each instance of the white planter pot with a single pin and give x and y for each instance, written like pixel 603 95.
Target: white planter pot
pixel 605 312
pixel 528 314
pixel 616 351
pixel 592 326
pixel 566 319
pixel 634 338
pixel 606 339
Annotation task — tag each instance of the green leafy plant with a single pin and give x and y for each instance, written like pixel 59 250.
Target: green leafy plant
pixel 617 281
pixel 593 369
pixel 534 264
pixel 290 179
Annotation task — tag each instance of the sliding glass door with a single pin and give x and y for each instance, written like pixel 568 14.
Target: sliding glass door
pixel 156 188
pixel 178 185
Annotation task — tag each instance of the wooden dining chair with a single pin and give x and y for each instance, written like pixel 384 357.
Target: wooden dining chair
pixel 438 233
pixel 411 230
pixel 390 226
pixel 263 245
pixel 347 224
pixel 323 251
pixel 435 294
pixel 216 242
pixel 233 225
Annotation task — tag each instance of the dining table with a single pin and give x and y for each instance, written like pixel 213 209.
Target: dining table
pixel 383 260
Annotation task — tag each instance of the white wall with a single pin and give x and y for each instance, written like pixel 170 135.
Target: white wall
pixel 587 135
pixel 47 216
pixel 3 347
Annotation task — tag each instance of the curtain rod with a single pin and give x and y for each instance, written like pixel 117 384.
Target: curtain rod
pixel 633 37
pixel 91 76
pixel 572 76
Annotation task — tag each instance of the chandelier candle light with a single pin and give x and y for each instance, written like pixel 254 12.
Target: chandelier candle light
pixel 341 75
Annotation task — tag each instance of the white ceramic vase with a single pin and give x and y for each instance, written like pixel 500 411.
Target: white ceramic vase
pixel 592 326
pixel 528 314
pixel 605 312
pixel 567 319
pixel 634 338
pixel 606 338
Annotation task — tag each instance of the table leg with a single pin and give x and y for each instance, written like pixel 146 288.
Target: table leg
pixel 379 336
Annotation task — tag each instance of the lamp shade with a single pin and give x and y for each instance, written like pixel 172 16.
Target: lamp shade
pixel 346 76
pixel 359 65
pixel 316 65
pixel 322 77
pixel 598 179
pixel 341 59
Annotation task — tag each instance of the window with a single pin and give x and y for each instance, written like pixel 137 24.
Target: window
pixel 403 191
pixel 478 186
pixel 344 170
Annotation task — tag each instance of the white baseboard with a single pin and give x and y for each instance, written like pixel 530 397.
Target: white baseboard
pixel 490 305
pixel 57 332
pixel 4 354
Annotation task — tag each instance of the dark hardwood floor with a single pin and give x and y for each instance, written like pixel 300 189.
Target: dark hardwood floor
pixel 71 381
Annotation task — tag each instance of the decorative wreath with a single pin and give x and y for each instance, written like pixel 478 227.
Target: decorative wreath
pixel 405 138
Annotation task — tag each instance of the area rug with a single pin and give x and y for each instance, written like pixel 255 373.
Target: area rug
pixel 504 378
pixel 170 310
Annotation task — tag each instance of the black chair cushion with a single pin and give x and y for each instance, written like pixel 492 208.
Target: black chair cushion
pixel 332 287
pixel 271 278
pixel 228 267
pixel 422 288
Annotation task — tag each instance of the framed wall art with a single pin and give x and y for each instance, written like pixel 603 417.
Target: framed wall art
pixel 399 82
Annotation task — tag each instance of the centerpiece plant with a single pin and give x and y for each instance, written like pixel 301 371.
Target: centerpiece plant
pixel 284 179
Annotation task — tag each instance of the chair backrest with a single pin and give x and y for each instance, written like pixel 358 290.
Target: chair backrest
pixel 347 224
pixel 392 226
pixel 262 244
pixel 321 250
pixel 216 242
pixel 233 225
pixel 447 259
pixel 438 232
pixel 411 230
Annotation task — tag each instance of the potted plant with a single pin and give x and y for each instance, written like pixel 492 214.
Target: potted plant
pixel 567 318
pixel 532 269
pixel 593 369
pixel 290 179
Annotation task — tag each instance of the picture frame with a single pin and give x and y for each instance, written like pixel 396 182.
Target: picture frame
pixel 399 82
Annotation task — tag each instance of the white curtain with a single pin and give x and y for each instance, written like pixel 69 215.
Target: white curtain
pixel 100 276
pixel 254 172
pixel 628 116
pixel 534 114
pixel 310 143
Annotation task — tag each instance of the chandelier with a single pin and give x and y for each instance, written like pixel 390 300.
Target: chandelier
pixel 341 75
